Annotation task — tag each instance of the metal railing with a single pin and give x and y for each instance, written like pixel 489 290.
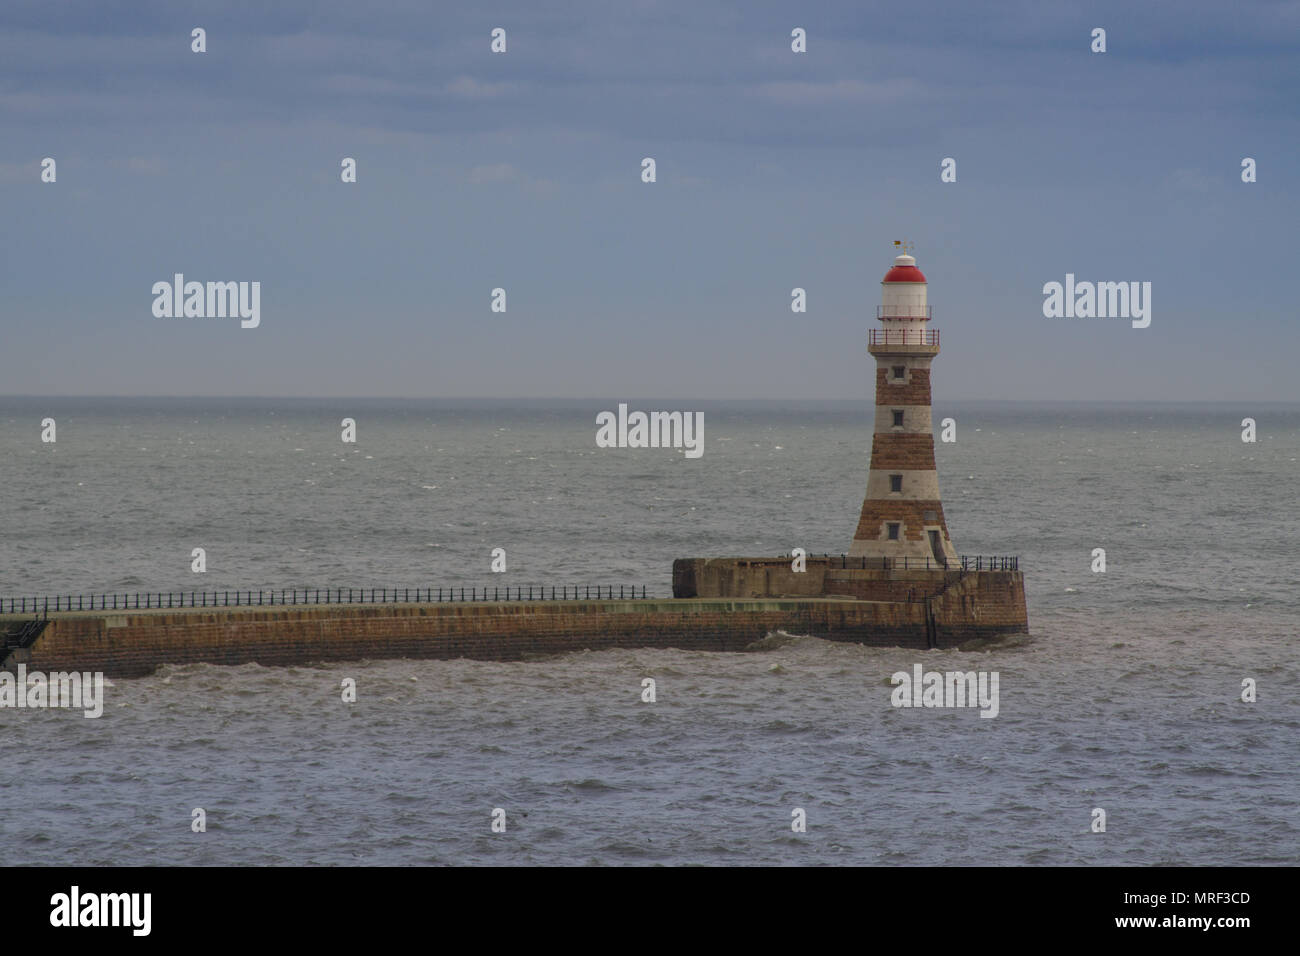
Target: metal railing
pixel 979 562
pixel 926 337
pixel 309 596
pixel 991 562
pixel 22 635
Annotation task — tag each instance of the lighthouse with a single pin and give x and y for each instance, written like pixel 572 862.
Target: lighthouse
pixel 902 515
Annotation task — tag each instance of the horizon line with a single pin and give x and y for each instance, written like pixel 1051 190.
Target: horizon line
pixel 642 398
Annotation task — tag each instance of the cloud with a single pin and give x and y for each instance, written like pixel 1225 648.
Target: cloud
pixel 469 88
pixel 806 93
pixel 1190 180
pixel 146 165
pixel 20 172
pixel 494 173
pixel 358 84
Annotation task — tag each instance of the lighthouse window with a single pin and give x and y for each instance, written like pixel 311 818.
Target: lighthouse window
pixel 898 418
pixel 893 527
pixel 900 371
pixel 895 482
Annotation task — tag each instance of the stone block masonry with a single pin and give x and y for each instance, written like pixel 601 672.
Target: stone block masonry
pixel 902 514
pixel 914 391
pixel 133 644
pixel 961 605
pixel 722 604
pixel 902 452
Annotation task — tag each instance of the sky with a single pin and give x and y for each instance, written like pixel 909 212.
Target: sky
pixel 522 170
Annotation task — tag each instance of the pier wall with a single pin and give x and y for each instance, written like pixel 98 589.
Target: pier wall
pixel 134 643
pixel 747 578
pixel 910 608
pixel 964 604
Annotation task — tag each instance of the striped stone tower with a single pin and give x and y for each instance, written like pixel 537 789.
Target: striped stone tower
pixel 902 516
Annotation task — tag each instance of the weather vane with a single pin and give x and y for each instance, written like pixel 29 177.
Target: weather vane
pixel 904 246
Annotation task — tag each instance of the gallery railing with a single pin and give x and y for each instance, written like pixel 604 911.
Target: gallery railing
pixel 901 337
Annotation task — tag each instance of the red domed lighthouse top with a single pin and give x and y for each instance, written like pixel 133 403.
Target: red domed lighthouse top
pixel 904 270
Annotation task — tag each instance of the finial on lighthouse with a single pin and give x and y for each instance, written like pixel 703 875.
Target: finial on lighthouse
pixel 904 268
pixel 905 257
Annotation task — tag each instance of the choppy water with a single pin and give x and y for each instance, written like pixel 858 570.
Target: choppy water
pixel 1125 698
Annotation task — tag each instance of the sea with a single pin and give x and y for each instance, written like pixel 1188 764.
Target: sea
pixel 1150 716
